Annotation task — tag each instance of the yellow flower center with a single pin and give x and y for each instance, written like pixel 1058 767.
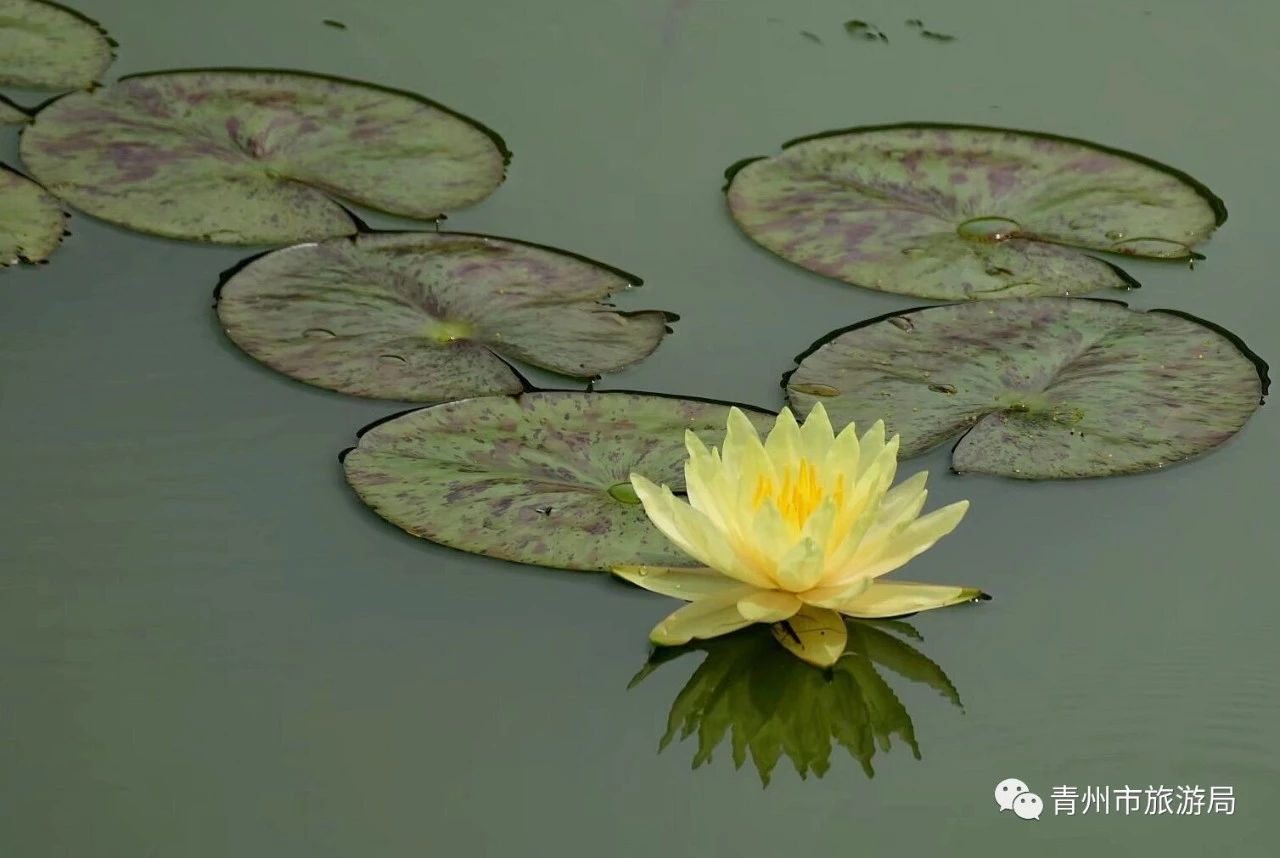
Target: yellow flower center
pixel 800 495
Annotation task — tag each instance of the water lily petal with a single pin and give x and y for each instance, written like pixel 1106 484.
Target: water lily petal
pixel 692 532
pixel 816 435
pixel 680 583
pixel 892 599
pixel 802 566
pixel 783 444
pixel 768 606
pixel 915 538
pixel 743 453
pixel 815 635
pixel 843 454
pixel 704 618
pixel 706 482
pixel 871 444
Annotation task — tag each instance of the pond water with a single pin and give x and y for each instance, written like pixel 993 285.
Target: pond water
pixel 212 648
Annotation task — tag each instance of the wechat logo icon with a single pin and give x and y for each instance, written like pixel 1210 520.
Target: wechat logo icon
pixel 1013 794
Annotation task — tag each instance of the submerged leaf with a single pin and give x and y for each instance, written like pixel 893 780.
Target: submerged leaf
pixel 1041 388
pixel 431 316
pixel 528 478
pixel 959 212
pixel 47 46
pixel 31 221
pixel 772 705
pixel 243 156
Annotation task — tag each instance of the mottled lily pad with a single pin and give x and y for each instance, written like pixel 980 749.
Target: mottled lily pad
pixel 959 212
pixel 1040 388
pixel 770 705
pixel 244 156
pixel 47 46
pixel 540 478
pixel 31 221
pixel 431 316
pixel 11 114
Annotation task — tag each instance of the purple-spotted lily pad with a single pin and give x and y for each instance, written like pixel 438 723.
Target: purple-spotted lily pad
pixel 31 221
pixel 541 478
pixel 431 316
pixel 243 156
pixel 957 212
pixel 1040 388
pixel 47 46
pixel 11 114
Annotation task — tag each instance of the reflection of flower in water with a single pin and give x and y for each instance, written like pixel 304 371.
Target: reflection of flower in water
pixel 772 705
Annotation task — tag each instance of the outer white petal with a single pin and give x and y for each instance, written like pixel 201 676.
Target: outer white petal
pixel 801 567
pixel 871 444
pixel 816 435
pixel 705 618
pixel 915 538
pixel 893 599
pixel 688 584
pixel 692 532
pixel 783 444
pixel 768 606
pixel 743 453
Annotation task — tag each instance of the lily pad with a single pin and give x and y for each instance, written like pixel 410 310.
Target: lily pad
pixel 959 212
pixel 31 221
pixel 540 478
pixel 47 46
pixel 432 316
pixel 245 156
pixel 1040 388
pixel 11 114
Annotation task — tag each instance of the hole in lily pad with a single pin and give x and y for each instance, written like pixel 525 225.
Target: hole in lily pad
pixel 1040 388
pixel 959 212
pixel 430 316
pixel 245 156
pixel 47 46
pixel 32 222
pixel 534 478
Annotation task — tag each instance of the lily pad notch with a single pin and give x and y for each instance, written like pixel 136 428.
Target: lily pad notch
pixel 258 156
pixel 534 478
pixel 433 316
pixel 1038 388
pixel 963 212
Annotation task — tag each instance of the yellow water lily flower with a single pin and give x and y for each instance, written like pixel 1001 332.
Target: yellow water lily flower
pixel 799 529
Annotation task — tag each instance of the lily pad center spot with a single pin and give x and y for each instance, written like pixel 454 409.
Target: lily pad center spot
pixel 445 331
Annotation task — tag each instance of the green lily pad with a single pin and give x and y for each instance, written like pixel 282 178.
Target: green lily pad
pixel 12 114
pixel 47 46
pixel 771 705
pixel 245 156
pixel 425 316
pixel 31 221
pixel 529 478
pixel 959 212
pixel 1040 388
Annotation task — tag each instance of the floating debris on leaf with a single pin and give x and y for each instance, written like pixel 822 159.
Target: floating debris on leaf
pixel 337 25
pixel 813 37
pixel 916 23
pixel 936 36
